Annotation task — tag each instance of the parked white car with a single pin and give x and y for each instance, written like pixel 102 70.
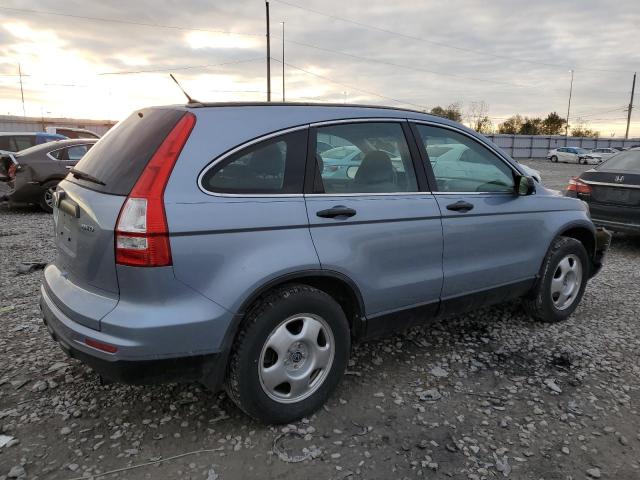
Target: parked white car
pixel 605 153
pixel 532 172
pixel 573 154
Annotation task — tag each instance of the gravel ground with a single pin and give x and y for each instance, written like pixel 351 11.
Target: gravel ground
pixel 486 395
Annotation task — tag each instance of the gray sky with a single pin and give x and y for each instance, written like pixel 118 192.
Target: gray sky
pixel 416 54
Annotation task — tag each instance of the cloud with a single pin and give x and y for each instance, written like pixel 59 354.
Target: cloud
pixel 455 51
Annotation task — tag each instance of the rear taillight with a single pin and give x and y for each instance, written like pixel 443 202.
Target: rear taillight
pixel 578 186
pixel 12 170
pixel 142 234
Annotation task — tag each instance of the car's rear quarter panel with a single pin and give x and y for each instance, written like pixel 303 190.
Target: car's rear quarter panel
pixel 227 247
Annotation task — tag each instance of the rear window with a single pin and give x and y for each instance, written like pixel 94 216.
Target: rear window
pixel 627 161
pixel 120 156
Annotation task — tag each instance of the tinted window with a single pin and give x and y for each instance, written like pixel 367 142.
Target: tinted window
pixel 273 166
pixel 5 143
pixel 120 156
pixel 23 141
pixel 461 164
pixel 364 158
pixel 76 152
pixel 628 161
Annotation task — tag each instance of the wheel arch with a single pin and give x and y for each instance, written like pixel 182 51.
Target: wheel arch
pixel 584 233
pixel 52 178
pixel 340 287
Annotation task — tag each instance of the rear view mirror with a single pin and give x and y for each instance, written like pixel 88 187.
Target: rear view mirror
pixel 525 186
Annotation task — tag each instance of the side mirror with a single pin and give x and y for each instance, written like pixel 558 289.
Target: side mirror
pixel 525 186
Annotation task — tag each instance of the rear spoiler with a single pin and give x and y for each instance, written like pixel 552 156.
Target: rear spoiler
pixel 6 160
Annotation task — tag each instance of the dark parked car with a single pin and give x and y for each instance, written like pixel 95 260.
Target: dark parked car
pixel 71 132
pixel 209 243
pixel 612 191
pixel 34 173
pixel 17 141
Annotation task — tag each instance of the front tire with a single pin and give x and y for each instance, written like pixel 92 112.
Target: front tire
pixel 289 355
pixel 554 159
pixel 562 282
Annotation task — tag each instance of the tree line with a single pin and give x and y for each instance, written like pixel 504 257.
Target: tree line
pixel 477 118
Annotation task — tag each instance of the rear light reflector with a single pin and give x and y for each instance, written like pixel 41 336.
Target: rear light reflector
pixel 105 347
pixel 578 186
pixel 142 233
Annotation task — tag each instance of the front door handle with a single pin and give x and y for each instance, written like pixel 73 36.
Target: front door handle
pixel 460 206
pixel 337 211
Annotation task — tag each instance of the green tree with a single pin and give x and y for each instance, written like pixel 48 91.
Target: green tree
pixel 452 112
pixel 553 125
pixel 531 126
pixel 511 126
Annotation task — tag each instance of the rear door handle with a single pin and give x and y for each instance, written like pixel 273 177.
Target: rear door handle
pixel 337 211
pixel 460 206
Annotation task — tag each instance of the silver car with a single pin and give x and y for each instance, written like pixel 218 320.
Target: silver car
pixel 206 242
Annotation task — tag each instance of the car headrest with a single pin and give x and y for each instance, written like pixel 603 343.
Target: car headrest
pixel 376 167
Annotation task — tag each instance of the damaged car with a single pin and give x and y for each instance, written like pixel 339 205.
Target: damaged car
pixel 34 173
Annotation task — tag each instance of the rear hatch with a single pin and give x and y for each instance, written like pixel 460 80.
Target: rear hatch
pixel 615 188
pixel 89 200
pixel 615 195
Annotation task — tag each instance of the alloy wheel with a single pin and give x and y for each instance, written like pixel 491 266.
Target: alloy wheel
pixel 566 282
pixel 296 358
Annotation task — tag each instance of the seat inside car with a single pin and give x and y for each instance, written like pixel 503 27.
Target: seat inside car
pixel 376 173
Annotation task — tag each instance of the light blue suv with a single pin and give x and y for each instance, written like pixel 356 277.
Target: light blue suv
pixel 208 242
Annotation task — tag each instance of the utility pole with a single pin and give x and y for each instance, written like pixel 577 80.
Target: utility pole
pixel 633 88
pixel 566 128
pixel 268 55
pixel 24 114
pixel 282 62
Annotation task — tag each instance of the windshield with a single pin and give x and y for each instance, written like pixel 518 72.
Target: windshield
pixel 627 161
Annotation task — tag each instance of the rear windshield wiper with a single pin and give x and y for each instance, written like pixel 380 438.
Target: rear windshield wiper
pixel 85 176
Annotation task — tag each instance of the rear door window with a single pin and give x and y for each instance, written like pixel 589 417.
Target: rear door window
pixel 120 156
pixel 272 166
pixel 365 157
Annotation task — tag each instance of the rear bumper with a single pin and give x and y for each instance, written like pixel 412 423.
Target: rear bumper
pixel 138 337
pixel 626 227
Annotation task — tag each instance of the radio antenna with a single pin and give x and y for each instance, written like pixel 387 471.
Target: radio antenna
pixel 190 100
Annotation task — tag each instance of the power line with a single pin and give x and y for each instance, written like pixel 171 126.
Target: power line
pixel 125 22
pixel 442 44
pixel 351 87
pixel 186 67
pixel 400 65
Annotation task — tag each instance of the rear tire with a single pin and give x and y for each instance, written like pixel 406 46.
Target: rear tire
pixel 289 355
pixel 562 281
pixel 46 197
pixel 554 159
